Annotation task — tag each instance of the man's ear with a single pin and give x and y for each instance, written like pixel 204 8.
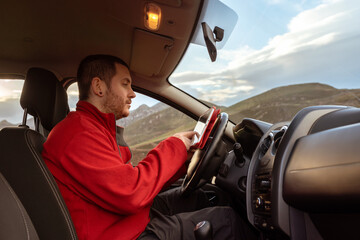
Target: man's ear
pixel 98 86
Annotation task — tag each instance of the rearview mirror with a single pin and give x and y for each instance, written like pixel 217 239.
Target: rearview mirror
pixel 210 39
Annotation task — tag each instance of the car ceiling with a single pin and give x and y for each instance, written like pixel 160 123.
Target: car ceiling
pixel 57 34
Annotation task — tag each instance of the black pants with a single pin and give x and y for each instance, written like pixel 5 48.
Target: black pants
pixel 174 217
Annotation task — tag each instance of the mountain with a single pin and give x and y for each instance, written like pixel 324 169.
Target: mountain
pixel 275 105
pixel 212 104
pixel 157 126
pixel 5 123
pixel 141 112
pixel 281 104
pixel 144 134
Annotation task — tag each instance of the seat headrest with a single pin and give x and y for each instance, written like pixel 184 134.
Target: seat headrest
pixel 44 97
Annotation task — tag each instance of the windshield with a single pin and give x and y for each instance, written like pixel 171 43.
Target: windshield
pixel 282 56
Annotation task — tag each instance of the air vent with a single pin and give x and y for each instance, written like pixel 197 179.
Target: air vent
pixel 277 139
pixel 264 147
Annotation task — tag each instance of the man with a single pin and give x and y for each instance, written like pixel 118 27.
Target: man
pixel 107 197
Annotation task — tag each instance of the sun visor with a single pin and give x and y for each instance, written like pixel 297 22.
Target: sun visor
pixel 145 60
pixel 215 14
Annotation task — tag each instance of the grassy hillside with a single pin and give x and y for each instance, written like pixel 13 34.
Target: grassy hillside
pixel 279 104
pixel 146 133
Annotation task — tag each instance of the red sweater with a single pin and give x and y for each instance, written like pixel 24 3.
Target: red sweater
pixel 107 197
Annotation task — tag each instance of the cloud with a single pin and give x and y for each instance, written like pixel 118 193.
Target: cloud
pixel 73 93
pixel 11 111
pixel 10 89
pixel 317 41
pixel 213 87
pixel 274 2
pixel 222 94
pixel 190 76
pixel 321 45
pixel 289 4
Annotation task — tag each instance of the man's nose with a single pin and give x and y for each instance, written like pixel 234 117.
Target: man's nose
pixel 132 94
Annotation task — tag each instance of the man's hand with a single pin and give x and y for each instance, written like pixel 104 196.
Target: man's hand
pixel 186 137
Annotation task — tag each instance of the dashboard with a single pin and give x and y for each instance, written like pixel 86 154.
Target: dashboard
pixel 298 179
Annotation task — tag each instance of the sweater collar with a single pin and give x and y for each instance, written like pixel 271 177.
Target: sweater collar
pixel 106 119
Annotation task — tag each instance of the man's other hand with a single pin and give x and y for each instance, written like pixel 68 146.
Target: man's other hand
pixel 186 137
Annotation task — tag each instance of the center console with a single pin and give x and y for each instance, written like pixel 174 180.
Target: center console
pixel 259 190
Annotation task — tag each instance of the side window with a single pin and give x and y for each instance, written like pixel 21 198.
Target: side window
pixel 11 112
pixel 73 96
pixel 149 122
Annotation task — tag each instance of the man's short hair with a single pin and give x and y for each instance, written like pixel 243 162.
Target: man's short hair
pixel 101 66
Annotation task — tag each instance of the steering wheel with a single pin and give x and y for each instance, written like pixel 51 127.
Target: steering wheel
pixel 203 165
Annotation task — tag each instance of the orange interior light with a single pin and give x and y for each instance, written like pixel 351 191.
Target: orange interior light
pixel 152 16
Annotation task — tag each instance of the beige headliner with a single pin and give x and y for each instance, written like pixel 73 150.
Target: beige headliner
pixel 56 35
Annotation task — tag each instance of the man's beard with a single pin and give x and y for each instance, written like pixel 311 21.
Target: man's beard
pixel 115 104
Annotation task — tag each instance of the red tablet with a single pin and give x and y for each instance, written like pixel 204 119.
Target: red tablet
pixel 202 127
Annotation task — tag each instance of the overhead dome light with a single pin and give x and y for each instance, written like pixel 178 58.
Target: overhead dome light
pixel 152 16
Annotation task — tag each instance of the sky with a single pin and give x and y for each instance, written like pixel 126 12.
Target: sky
pixel 10 109
pixel 277 43
pixel 274 43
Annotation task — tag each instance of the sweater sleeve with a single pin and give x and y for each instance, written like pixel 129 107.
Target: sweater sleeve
pixel 99 175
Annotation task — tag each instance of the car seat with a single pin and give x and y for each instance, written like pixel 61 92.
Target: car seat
pixel 14 220
pixel 20 156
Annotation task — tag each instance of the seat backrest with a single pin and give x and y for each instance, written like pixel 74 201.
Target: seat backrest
pixel 14 220
pixel 23 167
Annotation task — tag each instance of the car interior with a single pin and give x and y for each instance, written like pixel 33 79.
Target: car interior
pixel 289 180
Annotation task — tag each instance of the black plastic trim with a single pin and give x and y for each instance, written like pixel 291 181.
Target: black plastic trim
pixel 322 174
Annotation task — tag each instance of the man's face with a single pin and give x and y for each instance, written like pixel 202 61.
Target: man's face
pixel 118 96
